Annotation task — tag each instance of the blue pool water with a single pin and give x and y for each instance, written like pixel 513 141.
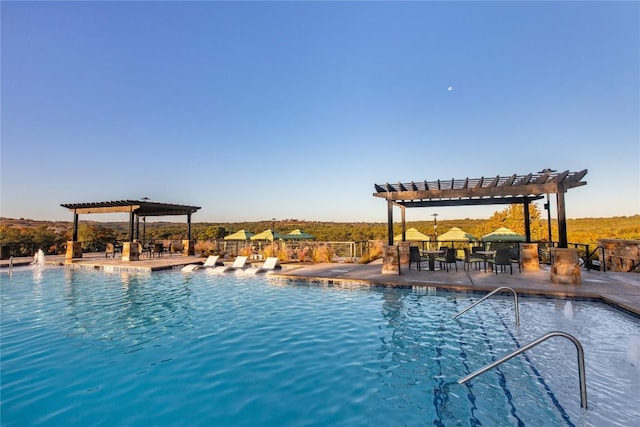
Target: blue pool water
pixel 95 348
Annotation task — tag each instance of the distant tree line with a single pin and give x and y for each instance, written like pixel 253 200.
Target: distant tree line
pixel 24 237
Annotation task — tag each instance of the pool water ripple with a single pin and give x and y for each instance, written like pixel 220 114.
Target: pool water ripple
pixel 169 349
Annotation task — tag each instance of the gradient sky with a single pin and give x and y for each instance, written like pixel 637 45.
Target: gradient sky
pixel 259 110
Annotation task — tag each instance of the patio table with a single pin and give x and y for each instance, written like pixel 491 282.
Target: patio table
pixel 432 258
pixel 485 255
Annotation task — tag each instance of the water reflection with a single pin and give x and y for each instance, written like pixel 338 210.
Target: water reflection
pixel 126 310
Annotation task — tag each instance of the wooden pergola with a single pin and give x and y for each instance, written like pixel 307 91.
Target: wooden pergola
pixel 512 189
pixel 135 209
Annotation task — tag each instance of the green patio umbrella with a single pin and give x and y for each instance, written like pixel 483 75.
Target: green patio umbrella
pixel 503 234
pixel 413 235
pixel 266 235
pixel 456 234
pixel 239 235
pixel 298 234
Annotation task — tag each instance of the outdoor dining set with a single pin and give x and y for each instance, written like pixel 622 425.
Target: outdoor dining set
pixel 500 250
pixel 478 257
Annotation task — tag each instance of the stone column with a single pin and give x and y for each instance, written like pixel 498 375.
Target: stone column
pixel 188 247
pixel 391 260
pixel 564 266
pixel 130 251
pixel 74 250
pixel 405 256
pixel 529 256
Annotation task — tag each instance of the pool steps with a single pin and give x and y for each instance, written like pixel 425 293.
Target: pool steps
pixel 502 288
pixel 576 342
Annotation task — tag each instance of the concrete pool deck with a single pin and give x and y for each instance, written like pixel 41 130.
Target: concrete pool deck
pixel 618 289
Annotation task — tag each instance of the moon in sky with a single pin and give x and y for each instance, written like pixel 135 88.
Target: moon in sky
pixel 450 88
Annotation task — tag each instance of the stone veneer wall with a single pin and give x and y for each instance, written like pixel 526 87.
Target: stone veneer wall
pixel 620 255
pixel 391 260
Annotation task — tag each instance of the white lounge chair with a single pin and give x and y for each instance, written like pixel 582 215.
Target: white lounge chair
pixel 238 264
pixel 267 266
pixel 209 263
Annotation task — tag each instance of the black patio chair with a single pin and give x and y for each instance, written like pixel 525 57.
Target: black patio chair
pixel 448 258
pixel 502 260
pixel 414 256
pixel 514 256
pixel 470 258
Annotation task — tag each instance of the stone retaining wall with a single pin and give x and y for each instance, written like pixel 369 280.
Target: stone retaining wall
pixel 620 255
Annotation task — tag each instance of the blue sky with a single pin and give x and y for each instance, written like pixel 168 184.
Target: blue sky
pixel 259 110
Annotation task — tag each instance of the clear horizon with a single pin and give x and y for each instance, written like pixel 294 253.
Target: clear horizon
pixel 257 110
pixel 119 218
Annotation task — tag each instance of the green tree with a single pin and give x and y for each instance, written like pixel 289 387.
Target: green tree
pixel 95 237
pixel 513 219
pixel 45 238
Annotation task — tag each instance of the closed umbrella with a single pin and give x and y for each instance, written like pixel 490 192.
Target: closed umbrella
pixel 503 234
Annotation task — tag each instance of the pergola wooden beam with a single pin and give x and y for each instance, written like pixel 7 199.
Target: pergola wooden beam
pixel 139 208
pixel 512 189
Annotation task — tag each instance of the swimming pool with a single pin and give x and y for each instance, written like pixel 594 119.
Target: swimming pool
pixel 96 348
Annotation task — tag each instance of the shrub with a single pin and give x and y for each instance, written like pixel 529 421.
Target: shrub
pixel 205 248
pixel 322 253
pixel 375 252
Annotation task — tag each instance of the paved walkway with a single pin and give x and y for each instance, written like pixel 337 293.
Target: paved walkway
pixel 619 289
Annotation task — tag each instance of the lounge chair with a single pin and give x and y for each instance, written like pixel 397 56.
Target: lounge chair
pixel 238 264
pixel 267 266
pixel 209 263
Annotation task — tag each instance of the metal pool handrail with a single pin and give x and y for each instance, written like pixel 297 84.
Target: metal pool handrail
pixel 580 351
pixel 515 297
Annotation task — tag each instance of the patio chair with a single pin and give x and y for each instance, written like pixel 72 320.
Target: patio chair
pixel 448 258
pixel 514 256
pixel 502 260
pixel 414 256
pixel 209 263
pixel 157 250
pixel 238 264
pixel 470 258
pixel 268 266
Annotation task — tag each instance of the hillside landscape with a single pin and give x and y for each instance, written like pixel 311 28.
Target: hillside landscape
pixel 31 233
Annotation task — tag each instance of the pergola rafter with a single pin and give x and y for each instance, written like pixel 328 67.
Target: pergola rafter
pixel 135 208
pixel 512 189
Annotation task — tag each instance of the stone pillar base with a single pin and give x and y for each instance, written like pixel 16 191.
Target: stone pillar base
pixel 564 266
pixel 74 250
pixel 405 255
pixel 130 251
pixel 529 256
pixel 391 260
pixel 188 247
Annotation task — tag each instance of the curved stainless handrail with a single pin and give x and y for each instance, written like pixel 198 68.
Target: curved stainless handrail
pixel 580 351
pixel 515 297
